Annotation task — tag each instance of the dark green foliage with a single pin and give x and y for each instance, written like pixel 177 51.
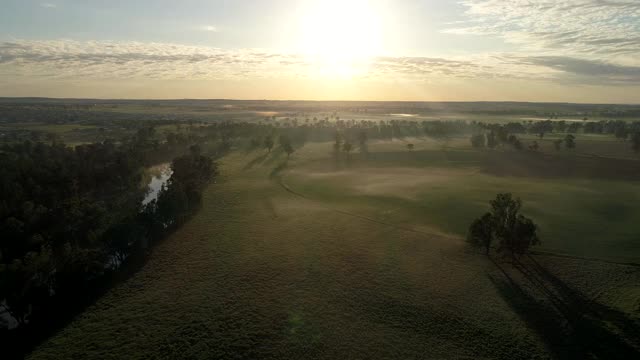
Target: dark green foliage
pixel 574 127
pixel 515 128
pixel 285 144
pixel 524 235
pixel 621 132
pixel 481 232
pixel 502 135
pixel 478 140
pixel 363 138
pixel 268 143
pixel 570 142
pixel 557 144
pixel 26 282
pixel 288 148
pixel 410 147
pixel 541 128
pixel 69 216
pixel 635 141
pixel 534 146
pixel 515 142
pixel 492 142
pixel 254 143
pixel 514 232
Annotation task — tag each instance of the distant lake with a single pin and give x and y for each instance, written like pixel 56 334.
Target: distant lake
pixel 160 175
pixel 404 115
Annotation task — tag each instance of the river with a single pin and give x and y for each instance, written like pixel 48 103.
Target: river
pixel 160 176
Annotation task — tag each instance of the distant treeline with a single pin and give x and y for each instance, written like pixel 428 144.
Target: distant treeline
pixel 352 131
pixel 555 110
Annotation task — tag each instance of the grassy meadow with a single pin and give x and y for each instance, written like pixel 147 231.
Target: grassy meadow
pixel 585 205
pixel 361 258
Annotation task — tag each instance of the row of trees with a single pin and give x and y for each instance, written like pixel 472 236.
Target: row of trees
pixel 491 141
pixel 353 132
pixel 71 217
pixel 268 143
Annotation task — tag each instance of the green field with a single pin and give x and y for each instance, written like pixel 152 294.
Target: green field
pixel 365 258
pixel 585 206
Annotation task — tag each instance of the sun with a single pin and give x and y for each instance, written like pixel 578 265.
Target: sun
pixel 340 37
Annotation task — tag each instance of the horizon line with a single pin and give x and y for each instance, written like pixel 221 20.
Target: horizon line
pixel 317 101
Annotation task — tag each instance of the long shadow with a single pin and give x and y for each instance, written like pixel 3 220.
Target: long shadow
pixel 516 163
pixel 571 325
pixel 539 165
pixel 542 319
pixel 276 154
pixel 582 306
pixel 18 343
pixel 258 160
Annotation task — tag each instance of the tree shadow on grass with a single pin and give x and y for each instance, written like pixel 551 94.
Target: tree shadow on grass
pixel 571 325
pixel 258 160
pixel 276 154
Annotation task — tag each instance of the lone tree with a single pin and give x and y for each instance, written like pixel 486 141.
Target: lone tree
pixel 492 142
pixel 410 147
pixel 338 144
pixel 288 148
pixel 285 144
pixel 570 141
pixel 635 141
pixel 478 140
pixel 268 142
pixel 557 144
pixel 362 139
pixel 515 142
pixel 514 232
pixel 347 147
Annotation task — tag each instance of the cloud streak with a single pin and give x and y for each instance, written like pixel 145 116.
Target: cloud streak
pixel 600 28
pixel 66 59
pixel 209 28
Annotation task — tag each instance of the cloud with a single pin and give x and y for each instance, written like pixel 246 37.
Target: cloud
pixel 48 5
pixel 124 60
pixel 599 28
pixel 209 28
pixel 67 59
pixel 588 71
pixel 96 59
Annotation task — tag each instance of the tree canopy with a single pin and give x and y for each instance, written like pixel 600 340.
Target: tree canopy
pixel 513 232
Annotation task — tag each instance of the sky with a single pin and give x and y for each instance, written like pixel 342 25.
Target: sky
pixel 584 51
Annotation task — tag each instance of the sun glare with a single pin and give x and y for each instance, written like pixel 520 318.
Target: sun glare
pixel 340 36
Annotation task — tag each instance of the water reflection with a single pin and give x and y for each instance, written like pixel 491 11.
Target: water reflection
pixel 161 174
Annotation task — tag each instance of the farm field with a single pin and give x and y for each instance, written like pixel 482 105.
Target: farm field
pixel 585 205
pixel 365 258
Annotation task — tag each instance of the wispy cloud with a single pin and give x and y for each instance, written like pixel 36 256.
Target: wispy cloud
pixel 588 71
pixel 597 28
pixel 209 28
pixel 68 59
pixel 107 59
pixel 48 5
